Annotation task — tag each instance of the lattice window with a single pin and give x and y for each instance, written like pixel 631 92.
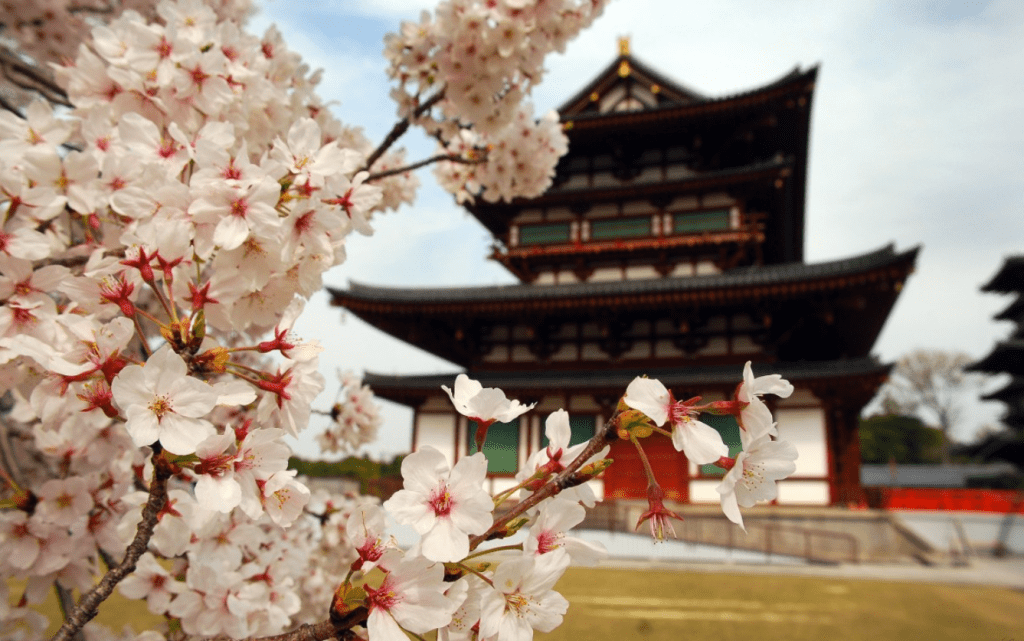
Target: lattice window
pixel 545 233
pixel 611 228
pixel 730 431
pixel 501 448
pixel 701 221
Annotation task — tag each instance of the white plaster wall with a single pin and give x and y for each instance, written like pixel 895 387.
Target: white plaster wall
pixel 716 345
pixel 664 347
pixel 743 345
pixel 805 429
pixel 704 492
pixel 641 271
pixel 803 492
pixel 498 354
pixel 606 273
pixel 436 430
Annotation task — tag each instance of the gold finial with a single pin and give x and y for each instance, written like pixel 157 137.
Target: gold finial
pixel 624 46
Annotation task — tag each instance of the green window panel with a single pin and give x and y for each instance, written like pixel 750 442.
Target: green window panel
pixel 695 222
pixel 581 430
pixel 611 228
pixel 501 448
pixel 730 431
pixel 544 233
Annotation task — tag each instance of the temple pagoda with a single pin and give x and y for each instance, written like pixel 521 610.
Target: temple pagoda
pixel 1007 357
pixel 670 244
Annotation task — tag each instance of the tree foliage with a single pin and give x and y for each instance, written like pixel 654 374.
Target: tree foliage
pixel 933 386
pixel 899 438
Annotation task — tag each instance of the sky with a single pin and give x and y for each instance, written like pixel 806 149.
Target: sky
pixel 917 139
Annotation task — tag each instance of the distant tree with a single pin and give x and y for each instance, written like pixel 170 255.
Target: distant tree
pixel 932 385
pixel 903 439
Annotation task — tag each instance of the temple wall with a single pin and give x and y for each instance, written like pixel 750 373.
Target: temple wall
pixel 805 429
pixel 436 430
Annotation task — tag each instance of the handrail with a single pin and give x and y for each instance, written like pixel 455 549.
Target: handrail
pixel 813 544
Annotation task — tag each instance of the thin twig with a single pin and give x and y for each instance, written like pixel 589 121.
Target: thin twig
pixel 423 163
pixel 400 128
pixel 89 605
pixel 323 630
pixel 564 479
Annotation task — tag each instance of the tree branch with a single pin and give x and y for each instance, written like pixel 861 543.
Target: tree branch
pixel 400 128
pixel 423 163
pixel 31 78
pixel 333 628
pixel 564 479
pixel 89 604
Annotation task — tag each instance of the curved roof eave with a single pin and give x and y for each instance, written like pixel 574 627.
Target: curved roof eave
pixel 795 77
pixel 545 380
pixel 732 279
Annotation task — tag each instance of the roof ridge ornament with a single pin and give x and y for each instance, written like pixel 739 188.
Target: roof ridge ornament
pixel 623 45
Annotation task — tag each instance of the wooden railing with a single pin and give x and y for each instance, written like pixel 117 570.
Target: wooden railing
pixel 762 535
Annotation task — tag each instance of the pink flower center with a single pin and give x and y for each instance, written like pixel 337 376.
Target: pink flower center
pixel 383 597
pixel 441 501
pixel 547 542
pixel 239 207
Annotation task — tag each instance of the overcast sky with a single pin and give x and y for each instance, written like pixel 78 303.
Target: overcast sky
pixel 917 138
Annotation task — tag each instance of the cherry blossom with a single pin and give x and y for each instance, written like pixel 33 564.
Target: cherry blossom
pixel 522 599
pixel 411 597
pixel 756 418
pixel 445 505
pixel 701 443
pixel 548 533
pixel 753 475
pixel 163 403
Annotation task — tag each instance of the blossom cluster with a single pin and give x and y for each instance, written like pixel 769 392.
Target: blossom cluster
pixel 39 31
pixel 355 418
pixel 158 241
pixel 751 475
pixel 482 60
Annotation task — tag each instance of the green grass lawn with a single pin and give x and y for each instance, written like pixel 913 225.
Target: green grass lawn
pixel 614 604
pixel 668 605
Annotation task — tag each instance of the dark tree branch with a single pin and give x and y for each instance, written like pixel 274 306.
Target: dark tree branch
pixel 89 605
pixel 31 78
pixel 565 479
pixel 423 163
pixel 400 128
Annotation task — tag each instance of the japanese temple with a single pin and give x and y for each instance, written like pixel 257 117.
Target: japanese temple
pixel 670 244
pixel 1007 357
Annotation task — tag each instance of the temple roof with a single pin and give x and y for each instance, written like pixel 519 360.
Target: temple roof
pixel 670 92
pixel 1007 356
pixel 672 96
pixel 1009 278
pixel 737 283
pixel 818 311
pixel 413 389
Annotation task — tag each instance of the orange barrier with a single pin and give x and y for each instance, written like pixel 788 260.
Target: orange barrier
pixel 928 498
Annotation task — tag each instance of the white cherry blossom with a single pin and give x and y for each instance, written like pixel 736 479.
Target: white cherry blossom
pixel 163 403
pixel 445 505
pixel 753 476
